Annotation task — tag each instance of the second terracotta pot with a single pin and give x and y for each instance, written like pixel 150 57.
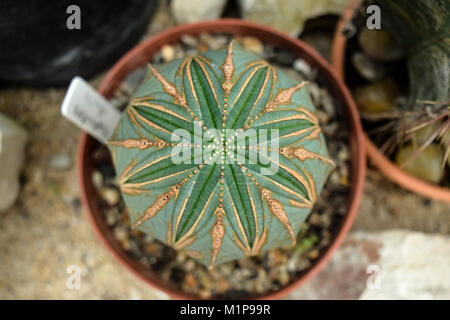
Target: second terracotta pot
pixel 140 56
pixel 377 158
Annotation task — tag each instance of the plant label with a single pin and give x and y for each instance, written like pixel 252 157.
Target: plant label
pixel 90 111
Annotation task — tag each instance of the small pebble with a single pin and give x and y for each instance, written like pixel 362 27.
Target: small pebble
pixel 259 287
pixel 189 40
pixel 314 219
pixel 268 53
pixel 204 279
pixel 427 165
pixel 284 276
pixel 218 42
pixel 112 216
pixel 75 203
pixel 203 48
pixel 367 67
pixel 292 264
pixel 226 268
pixel 303 67
pixel 376 97
pixel 323 116
pixel 179 53
pixel 313 254
pixel 325 220
pixel 134 247
pixel 120 233
pixel 157 57
pixel 380 45
pixel 343 154
pixel 349 29
pixel 315 93
pixel 110 195
pixel 204 294
pixel 119 102
pixel 334 177
pixel 206 39
pixel 327 103
pixel 284 58
pixel 190 281
pixel 134 80
pixel 246 263
pixel 97 179
pixel 152 248
pixel 252 44
pixel 148 238
pixel 181 257
pixel 167 52
pixel 60 162
pixel 191 52
pixel 144 261
pixel 297 76
pixel 222 285
pixel 276 257
pixel 189 265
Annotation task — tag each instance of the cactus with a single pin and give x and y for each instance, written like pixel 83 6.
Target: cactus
pixel 422 29
pixel 223 209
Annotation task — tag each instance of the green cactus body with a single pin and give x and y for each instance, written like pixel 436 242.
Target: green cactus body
pixel 223 209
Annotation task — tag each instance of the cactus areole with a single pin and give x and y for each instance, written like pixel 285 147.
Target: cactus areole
pixel 221 155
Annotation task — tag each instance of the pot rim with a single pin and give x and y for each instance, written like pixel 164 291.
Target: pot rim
pixel 139 56
pixel 388 168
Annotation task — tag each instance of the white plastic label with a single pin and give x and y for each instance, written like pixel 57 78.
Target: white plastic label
pixel 85 107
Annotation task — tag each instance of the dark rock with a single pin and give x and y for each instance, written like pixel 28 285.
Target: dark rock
pixel 284 58
pixel 39 49
pixel 177 275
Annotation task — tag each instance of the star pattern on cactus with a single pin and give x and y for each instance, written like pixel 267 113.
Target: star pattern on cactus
pixel 220 208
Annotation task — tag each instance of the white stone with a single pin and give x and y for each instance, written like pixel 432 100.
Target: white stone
pixel 111 195
pixel 288 15
pixel 12 144
pixel 303 67
pixel 60 162
pixel 413 266
pixel 395 264
pixel 196 10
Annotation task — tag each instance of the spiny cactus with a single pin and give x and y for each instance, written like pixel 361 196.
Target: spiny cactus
pixel 417 129
pixel 219 205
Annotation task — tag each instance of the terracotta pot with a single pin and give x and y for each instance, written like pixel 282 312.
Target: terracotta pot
pixel 141 55
pixel 377 158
